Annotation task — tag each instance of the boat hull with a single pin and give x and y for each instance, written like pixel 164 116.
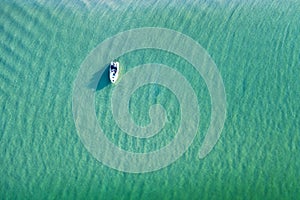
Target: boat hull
pixel 114 71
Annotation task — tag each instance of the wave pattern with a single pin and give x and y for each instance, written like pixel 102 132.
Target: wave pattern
pixel 255 46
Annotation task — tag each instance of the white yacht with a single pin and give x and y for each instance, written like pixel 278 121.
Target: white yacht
pixel 114 71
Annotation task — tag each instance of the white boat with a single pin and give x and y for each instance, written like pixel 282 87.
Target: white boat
pixel 113 71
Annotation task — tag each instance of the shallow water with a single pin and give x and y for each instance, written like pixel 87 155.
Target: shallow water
pixel 255 47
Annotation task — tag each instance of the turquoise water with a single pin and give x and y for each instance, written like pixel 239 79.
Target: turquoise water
pixel 255 46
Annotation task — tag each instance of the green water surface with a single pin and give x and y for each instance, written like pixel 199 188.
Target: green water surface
pixel 256 47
